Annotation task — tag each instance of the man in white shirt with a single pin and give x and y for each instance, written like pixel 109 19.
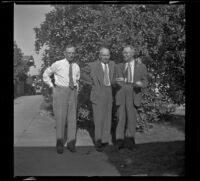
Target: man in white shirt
pixel 66 73
pixel 132 77
pixel 100 77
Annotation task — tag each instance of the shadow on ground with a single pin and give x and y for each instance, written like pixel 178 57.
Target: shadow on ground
pixel 44 161
pixel 150 159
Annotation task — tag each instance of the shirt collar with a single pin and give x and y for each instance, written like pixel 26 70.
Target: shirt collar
pixel 132 62
pixel 68 61
pixel 104 63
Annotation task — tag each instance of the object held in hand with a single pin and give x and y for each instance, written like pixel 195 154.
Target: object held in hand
pixel 120 79
pixel 138 84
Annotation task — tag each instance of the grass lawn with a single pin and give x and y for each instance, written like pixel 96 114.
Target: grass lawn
pixel 160 152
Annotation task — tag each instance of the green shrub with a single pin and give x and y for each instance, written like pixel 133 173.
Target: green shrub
pixel 156 31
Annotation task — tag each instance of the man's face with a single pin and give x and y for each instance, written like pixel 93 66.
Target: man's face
pixel 104 55
pixel 70 53
pixel 128 54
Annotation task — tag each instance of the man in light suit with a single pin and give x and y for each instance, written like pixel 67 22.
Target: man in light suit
pixel 66 73
pixel 132 78
pixel 101 76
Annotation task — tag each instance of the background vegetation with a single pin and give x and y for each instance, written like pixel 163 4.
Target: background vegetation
pixel 157 32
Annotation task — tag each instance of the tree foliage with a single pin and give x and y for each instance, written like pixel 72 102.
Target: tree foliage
pixel 20 66
pixel 157 32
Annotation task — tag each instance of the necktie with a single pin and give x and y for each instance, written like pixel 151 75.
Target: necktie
pixel 71 83
pixel 129 76
pixel 106 76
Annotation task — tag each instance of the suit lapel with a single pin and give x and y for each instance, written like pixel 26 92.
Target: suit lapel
pixel 111 70
pixel 124 69
pixel 100 71
pixel 136 67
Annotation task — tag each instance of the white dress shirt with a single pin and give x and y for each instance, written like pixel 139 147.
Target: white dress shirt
pixel 61 73
pixel 132 64
pixel 103 65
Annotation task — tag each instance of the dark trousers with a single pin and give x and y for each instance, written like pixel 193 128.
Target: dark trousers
pixel 127 113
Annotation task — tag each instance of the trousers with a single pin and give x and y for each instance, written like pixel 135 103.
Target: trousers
pixel 102 113
pixel 127 114
pixel 64 108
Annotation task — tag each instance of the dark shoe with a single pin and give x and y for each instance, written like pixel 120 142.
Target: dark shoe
pixel 98 143
pixel 98 146
pixel 102 147
pixel 71 146
pixel 119 144
pixel 130 144
pixel 59 146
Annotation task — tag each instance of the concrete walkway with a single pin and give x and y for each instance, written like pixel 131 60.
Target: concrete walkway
pixel 34 146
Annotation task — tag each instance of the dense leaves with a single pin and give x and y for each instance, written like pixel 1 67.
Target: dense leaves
pixel 20 66
pixel 157 32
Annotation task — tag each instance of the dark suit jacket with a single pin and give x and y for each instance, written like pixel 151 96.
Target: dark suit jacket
pixel 93 74
pixel 140 74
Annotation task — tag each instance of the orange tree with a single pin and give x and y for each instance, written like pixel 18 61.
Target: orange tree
pixel 157 32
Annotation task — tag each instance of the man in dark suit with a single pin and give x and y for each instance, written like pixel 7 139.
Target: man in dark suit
pixel 131 77
pixel 101 76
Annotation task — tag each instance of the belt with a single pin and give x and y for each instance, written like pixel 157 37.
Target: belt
pixel 75 87
pixel 128 83
pixel 107 86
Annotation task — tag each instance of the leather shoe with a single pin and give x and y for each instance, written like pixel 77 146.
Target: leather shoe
pixel 71 148
pixel 101 147
pixel 119 144
pixel 130 144
pixel 59 146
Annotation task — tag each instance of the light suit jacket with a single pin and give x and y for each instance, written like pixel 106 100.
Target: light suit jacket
pixel 140 74
pixel 93 74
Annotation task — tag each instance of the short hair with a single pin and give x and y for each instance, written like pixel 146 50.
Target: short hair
pixel 69 46
pixel 129 46
pixel 103 47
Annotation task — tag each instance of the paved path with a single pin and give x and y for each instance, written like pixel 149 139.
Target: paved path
pixel 34 146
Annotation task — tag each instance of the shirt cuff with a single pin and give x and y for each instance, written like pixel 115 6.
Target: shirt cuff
pixel 51 85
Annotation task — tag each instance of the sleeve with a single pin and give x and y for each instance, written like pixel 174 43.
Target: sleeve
pixel 144 77
pixel 78 73
pixel 47 73
pixel 85 74
pixel 114 74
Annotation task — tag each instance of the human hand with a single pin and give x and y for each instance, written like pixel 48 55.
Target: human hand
pixel 120 81
pixel 139 84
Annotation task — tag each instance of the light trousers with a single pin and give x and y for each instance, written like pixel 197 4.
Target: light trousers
pixel 64 107
pixel 102 113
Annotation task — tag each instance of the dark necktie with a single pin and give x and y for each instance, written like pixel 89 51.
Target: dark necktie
pixel 106 76
pixel 129 76
pixel 71 82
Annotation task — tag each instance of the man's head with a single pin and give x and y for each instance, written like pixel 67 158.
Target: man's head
pixel 128 53
pixel 104 55
pixel 69 52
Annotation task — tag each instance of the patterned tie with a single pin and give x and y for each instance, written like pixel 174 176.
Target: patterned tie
pixel 71 82
pixel 106 76
pixel 129 77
